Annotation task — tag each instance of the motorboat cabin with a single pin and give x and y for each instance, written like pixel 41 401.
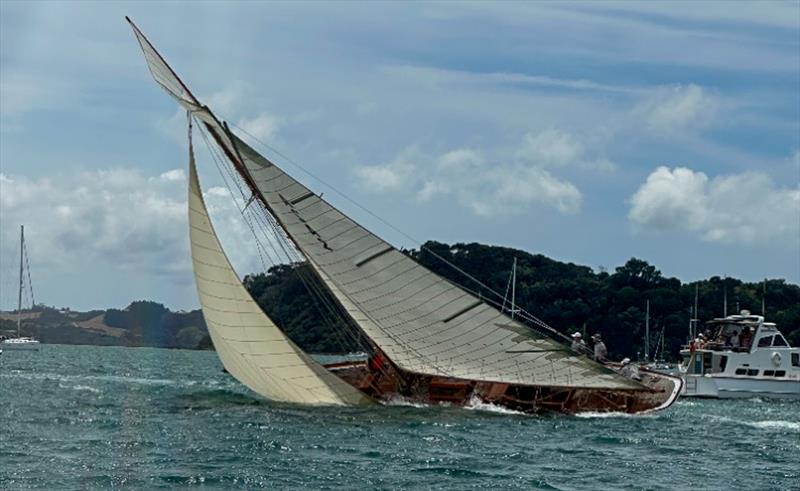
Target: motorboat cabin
pixel 741 356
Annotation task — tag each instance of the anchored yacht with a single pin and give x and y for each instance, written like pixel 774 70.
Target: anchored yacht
pixel 741 356
pixel 22 342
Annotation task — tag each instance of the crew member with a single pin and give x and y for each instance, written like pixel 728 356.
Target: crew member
pixel 578 345
pixel 600 350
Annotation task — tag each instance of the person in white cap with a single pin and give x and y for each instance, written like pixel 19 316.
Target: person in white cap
pixel 578 345
pixel 630 370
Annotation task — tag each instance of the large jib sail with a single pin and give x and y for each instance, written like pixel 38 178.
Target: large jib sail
pixel 421 321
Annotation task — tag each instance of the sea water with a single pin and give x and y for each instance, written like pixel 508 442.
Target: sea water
pixel 80 417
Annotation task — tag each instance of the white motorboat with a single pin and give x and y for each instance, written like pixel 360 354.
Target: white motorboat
pixel 742 357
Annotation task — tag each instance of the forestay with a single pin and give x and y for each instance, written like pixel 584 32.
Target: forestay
pixel 249 344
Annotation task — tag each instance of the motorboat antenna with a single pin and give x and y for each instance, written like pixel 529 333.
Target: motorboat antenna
pixel 647 333
pixel 725 297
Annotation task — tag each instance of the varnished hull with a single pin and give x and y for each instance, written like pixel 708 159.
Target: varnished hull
pixel 391 384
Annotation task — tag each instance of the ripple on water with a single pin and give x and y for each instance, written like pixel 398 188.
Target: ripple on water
pixel 90 417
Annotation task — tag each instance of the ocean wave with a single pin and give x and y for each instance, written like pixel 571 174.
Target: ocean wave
pixel 775 425
pixel 86 388
pixel 103 378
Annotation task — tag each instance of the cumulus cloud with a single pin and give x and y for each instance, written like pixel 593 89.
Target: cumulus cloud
pixel 746 208
pixel 674 109
pixel 551 147
pixel 554 148
pixel 117 216
pixel 228 103
pixel 116 219
pixel 485 187
pixel 392 176
pixel 510 192
pixel 263 127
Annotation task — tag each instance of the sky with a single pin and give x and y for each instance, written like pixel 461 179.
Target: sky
pixel 590 132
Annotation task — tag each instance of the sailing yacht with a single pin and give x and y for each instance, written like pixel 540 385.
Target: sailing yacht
pixel 429 340
pixel 21 342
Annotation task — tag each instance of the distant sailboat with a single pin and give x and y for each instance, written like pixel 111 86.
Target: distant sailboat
pixel 430 340
pixel 22 342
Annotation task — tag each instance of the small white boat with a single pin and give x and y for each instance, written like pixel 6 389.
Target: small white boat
pixel 743 357
pixel 23 343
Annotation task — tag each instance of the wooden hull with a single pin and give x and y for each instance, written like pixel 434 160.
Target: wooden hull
pixel 389 384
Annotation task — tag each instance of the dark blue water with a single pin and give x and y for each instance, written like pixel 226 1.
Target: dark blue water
pixel 77 417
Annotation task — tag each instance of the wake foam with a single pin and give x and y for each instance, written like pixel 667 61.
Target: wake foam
pixel 608 414
pixel 476 404
pixel 776 425
pixel 403 402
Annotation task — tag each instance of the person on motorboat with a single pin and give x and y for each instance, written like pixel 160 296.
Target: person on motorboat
pixel 734 341
pixel 745 339
pixel 700 341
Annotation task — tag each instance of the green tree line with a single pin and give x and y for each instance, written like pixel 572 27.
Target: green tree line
pixel 566 296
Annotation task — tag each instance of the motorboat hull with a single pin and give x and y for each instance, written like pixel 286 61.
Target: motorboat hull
pixel 712 387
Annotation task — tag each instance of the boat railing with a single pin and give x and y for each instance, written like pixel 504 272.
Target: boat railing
pixel 717 347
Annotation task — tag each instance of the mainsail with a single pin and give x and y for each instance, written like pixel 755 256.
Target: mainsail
pixel 421 321
pixel 252 348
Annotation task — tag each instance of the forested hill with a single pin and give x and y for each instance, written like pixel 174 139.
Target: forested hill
pixel 142 323
pixel 567 296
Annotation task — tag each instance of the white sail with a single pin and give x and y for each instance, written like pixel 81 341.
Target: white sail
pixel 249 344
pixel 423 322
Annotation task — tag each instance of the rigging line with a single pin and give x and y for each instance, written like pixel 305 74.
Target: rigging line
pixel 332 315
pixel 408 348
pixel 508 287
pixel 28 268
pixel 220 164
pixel 217 163
pixel 539 322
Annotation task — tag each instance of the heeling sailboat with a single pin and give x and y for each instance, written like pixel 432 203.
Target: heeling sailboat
pixel 431 339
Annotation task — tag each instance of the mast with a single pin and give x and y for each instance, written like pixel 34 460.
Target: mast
pixel 694 318
pixel 764 300
pixel 513 288
pixel 19 296
pixel 647 333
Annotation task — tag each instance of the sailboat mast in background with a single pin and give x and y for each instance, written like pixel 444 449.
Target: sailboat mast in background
pixel 19 296
pixel 20 342
pixel 647 333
